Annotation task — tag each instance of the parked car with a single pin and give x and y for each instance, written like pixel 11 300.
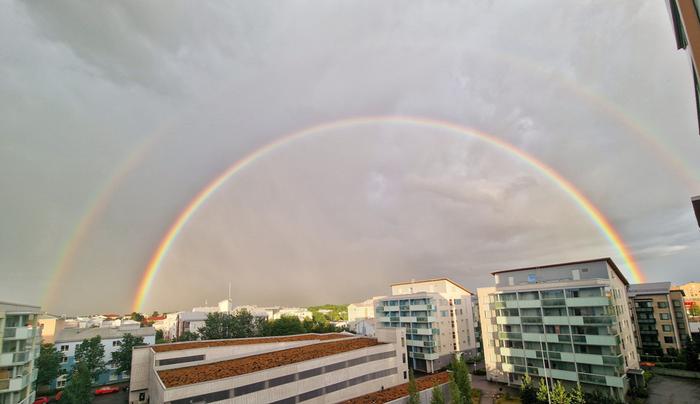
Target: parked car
pixel 106 390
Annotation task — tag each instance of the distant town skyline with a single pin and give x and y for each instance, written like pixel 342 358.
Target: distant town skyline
pixel 115 117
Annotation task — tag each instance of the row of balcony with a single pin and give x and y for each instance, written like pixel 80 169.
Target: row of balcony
pixel 409 319
pixel 10 333
pixel 613 381
pixel 412 307
pixel 558 320
pixel 590 359
pixel 15 358
pixel 604 340
pixel 15 383
pixel 424 355
pixel 562 302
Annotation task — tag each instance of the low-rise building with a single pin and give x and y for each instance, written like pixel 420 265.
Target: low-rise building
pixel 438 319
pixel 568 322
pixel 69 338
pixel 661 324
pixel 20 341
pixel 362 310
pixel 307 367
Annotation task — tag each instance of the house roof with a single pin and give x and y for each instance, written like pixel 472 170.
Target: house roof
pixel 79 334
pixel 178 346
pixel 606 259
pixel 434 280
pixel 254 363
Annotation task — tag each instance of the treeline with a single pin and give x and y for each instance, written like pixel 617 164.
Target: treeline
pixel 244 325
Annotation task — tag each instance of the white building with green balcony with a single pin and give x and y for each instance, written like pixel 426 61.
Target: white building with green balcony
pixel 568 322
pixel 438 319
pixel 20 337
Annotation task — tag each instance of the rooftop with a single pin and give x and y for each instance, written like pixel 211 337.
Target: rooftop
pixel 79 334
pixel 178 346
pixel 608 260
pixel 651 288
pixel 434 280
pixel 392 393
pixel 255 363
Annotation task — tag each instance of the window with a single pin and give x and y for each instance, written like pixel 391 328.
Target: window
pixel 677 303
pixel 663 305
pixel 665 316
pixel 668 340
pixel 667 328
pixel 403 357
pixel 64 359
pixel 61 384
pixel 404 375
pixel 458 301
pixel 116 343
pixel 64 348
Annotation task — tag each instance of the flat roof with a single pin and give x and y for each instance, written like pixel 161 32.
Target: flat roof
pixel 434 280
pixel 178 346
pixel 79 334
pixel 651 288
pixel 256 363
pixel 401 390
pixel 606 259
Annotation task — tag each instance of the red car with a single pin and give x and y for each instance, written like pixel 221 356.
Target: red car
pixel 42 400
pixel 106 390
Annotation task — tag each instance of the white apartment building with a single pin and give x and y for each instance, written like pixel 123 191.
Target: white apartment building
pixel 175 324
pixel 20 339
pixel 69 338
pixel 438 319
pixel 314 368
pixel 570 322
pixel 362 310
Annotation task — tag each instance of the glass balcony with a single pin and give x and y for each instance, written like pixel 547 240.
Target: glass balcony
pixel 509 335
pixel 589 378
pixel 531 320
pixel 553 302
pixel 599 320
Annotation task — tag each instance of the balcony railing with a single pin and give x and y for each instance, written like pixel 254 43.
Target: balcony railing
pixel 589 378
pixel 553 302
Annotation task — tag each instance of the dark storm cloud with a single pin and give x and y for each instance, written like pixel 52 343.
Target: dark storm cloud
pixel 340 216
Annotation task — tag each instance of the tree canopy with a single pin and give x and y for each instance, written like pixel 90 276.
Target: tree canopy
pixel 79 388
pixel 91 353
pixel 48 364
pixel 121 358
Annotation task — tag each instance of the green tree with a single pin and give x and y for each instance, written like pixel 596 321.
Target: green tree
pixel 155 314
pixel 187 336
pixel 160 338
pixel 528 393
pixel 79 388
pixel 576 395
pixel 48 364
pixel 121 358
pixel 455 394
pixel 287 325
pixel 413 396
pixel 559 394
pixel 225 325
pixel 91 353
pixel 320 327
pixel 543 391
pixel 460 371
pixel 438 397
pixel 691 355
pixel 137 317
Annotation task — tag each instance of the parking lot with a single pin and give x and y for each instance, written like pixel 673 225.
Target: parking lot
pixel 121 397
pixel 673 390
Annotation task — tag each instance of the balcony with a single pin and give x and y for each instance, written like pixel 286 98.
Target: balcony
pixel 607 320
pixel 651 332
pixel 646 321
pixel 587 301
pixel 11 333
pixel 14 358
pixel 507 320
pixel 589 378
pixel 14 384
pixel 424 355
pixel 428 319
pixel 531 320
pixel 509 335
pixel 553 302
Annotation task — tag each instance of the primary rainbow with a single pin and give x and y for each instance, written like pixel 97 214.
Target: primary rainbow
pixel 584 203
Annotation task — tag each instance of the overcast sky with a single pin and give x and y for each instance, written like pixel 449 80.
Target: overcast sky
pixel 141 104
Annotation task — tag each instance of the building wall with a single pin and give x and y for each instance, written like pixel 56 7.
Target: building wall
pixel 110 376
pixel 20 343
pixel 438 319
pixel 570 324
pixel 661 323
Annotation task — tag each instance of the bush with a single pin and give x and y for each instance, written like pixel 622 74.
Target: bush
pixel 671 365
pixel 647 376
pixel 639 392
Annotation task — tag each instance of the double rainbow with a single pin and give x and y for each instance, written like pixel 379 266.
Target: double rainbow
pixel 185 215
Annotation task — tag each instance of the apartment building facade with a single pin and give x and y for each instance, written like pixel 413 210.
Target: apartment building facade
pixel 313 368
pixel 20 338
pixel 68 340
pixel 567 322
pixel 661 324
pixel 438 319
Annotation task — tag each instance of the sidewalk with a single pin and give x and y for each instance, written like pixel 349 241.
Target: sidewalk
pixel 490 389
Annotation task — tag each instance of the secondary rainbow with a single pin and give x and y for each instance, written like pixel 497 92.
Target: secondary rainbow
pixel 583 202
